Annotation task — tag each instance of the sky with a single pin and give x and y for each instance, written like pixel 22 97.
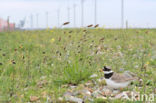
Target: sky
pixel 138 13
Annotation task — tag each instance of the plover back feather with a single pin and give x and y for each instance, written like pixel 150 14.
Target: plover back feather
pixel 116 77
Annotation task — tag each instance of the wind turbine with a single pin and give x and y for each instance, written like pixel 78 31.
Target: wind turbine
pixel 37 15
pixel 47 14
pixel 74 6
pixel 22 23
pixel 122 14
pixel 31 21
pixel 58 17
pixel 82 11
pixel 68 13
pixel 95 13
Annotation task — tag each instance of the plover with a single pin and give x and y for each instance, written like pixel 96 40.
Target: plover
pixel 116 80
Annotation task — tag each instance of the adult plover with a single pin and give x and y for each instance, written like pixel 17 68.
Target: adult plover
pixel 116 80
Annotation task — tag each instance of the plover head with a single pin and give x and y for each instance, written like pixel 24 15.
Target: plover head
pixel 107 72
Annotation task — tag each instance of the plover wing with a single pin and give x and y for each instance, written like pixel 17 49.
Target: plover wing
pixel 116 77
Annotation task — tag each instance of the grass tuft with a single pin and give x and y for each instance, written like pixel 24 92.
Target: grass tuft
pixel 75 73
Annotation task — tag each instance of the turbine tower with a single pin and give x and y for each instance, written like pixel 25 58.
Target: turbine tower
pixel 37 15
pixel 122 14
pixel 95 13
pixel 31 21
pixel 47 14
pixel 8 23
pixel 74 6
pixel 68 13
pixel 58 18
pixel 82 10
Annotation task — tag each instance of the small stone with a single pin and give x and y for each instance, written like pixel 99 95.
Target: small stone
pixel 73 99
pixel 118 47
pixel 123 95
pixel 94 82
pixel 99 53
pixel 106 91
pixel 90 99
pixel 136 66
pixel 25 89
pixel 119 96
pixel 88 84
pixel 75 93
pixel 93 76
pixel 42 77
pixel 111 98
pixel 72 87
pixel 115 91
pixel 34 98
pixel 101 97
pixel 96 93
pixel 67 94
pixel 85 92
pixel 60 99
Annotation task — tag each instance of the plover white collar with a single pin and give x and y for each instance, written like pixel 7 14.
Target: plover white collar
pixel 116 80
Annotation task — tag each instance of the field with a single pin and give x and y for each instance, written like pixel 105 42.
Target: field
pixel 42 64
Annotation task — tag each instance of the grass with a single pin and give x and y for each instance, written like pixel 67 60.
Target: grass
pixel 75 73
pixel 70 56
